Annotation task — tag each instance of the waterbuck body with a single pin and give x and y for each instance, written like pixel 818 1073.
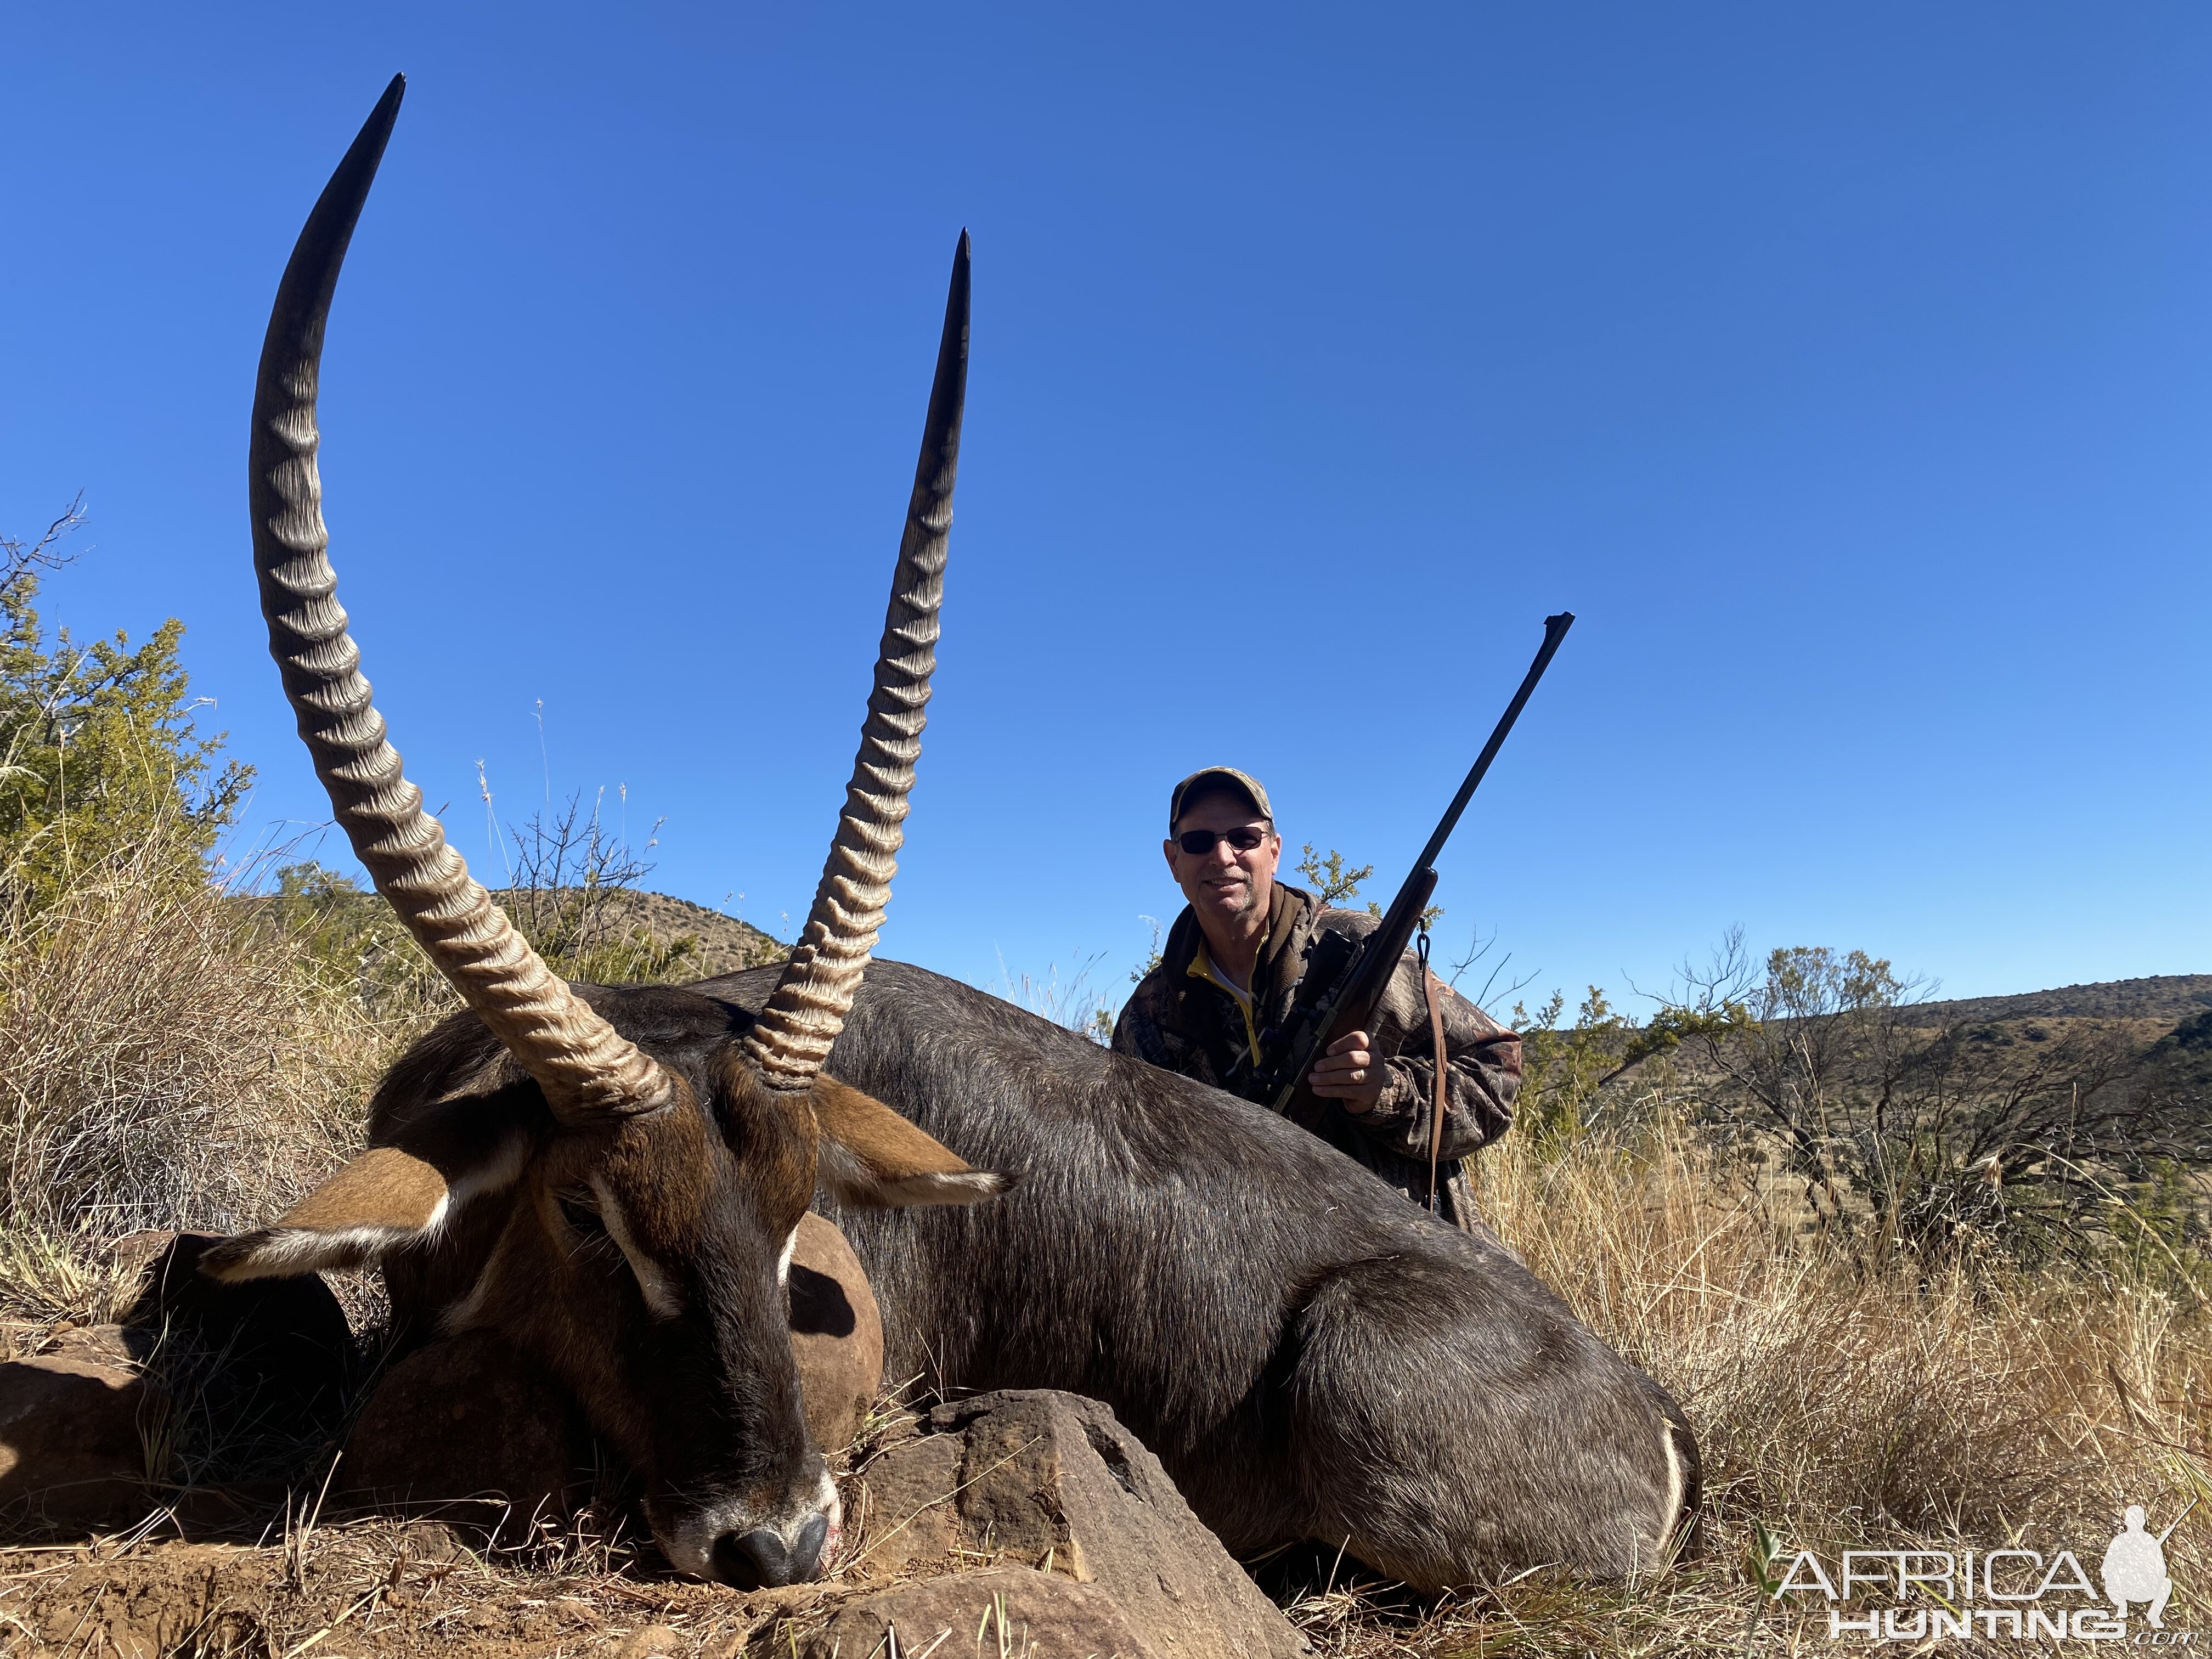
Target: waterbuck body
pixel 1310 1356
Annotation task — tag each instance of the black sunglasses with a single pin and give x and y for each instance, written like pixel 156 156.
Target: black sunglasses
pixel 1198 843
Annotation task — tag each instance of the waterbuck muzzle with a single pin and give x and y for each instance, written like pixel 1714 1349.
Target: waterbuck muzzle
pixel 624 1218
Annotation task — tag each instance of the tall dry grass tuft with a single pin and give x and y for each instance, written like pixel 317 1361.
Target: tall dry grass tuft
pixel 1843 1396
pixel 166 1058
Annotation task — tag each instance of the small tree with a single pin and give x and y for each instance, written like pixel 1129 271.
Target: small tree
pixel 98 744
pixel 572 896
pixel 1926 1129
pixel 1334 881
pixel 1562 1070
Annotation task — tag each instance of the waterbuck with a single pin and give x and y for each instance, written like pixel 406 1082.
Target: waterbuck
pixel 1310 1355
pixel 608 1175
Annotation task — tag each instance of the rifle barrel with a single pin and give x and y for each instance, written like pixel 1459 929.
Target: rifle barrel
pixel 1555 629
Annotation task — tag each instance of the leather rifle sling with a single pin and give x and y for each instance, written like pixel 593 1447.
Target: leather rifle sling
pixel 1433 991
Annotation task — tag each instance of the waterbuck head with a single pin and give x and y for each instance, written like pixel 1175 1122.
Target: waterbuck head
pixel 632 1214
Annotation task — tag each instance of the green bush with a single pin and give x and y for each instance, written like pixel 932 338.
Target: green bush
pixel 99 750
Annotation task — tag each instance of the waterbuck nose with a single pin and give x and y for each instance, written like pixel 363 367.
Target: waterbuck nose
pixel 759 1559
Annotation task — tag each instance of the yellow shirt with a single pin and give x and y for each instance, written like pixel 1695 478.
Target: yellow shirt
pixel 1201 967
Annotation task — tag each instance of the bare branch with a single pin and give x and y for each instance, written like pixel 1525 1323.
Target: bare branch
pixel 19 560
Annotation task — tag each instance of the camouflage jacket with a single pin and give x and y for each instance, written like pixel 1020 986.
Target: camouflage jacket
pixel 1184 1018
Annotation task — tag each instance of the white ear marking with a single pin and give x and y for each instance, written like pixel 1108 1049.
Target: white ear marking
pixel 848 1175
pixel 958 1187
pixel 287 1252
pixel 495 1173
pixel 385 1198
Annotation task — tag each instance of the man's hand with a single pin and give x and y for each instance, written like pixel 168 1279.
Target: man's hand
pixel 1352 1073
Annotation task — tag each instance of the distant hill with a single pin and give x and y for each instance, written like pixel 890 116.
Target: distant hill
pixel 725 944
pixel 344 921
pixel 2168 997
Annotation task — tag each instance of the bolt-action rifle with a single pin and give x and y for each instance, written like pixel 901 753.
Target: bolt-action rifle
pixel 1349 1003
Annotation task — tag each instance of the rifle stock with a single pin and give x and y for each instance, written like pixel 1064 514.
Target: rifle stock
pixel 1350 1005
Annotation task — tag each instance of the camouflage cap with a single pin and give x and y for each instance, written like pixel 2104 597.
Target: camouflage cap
pixel 1224 777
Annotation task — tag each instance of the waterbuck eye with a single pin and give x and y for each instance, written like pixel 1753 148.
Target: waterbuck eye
pixel 577 1213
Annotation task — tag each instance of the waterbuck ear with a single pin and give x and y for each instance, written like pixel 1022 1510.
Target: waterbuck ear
pixel 384 1198
pixel 872 1156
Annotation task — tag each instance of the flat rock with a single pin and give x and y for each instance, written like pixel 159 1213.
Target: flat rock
pixel 655 1642
pixel 75 1425
pixel 135 1252
pixel 837 1334
pixel 103 1344
pixel 1039 1615
pixel 1055 1482
pixel 467 1418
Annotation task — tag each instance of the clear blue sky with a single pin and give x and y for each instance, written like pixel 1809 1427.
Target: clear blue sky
pixel 1847 368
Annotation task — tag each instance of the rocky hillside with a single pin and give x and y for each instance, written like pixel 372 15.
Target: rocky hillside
pixel 725 944
pixel 2170 998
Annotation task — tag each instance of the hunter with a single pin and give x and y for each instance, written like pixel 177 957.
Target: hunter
pixel 1248 948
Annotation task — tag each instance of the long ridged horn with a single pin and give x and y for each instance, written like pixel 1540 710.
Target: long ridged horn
pixel 791 1037
pixel 586 1069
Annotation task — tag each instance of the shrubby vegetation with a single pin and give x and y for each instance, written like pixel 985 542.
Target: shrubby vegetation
pixel 1892 1124
pixel 1846 1394
pixel 160 1059
pixel 99 750
pixel 572 892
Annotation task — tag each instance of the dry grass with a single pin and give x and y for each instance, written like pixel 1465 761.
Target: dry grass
pixel 1851 1397
pixel 45 1278
pixel 164 1062
pixel 363 1586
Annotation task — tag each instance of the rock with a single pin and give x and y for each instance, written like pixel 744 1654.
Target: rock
pixel 75 1428
pixel 778 1601
pixel 1053 1480
pixel 103 1345
pixel 837 1334
pixel 468 1419
pixel 431 1541
pixel 654 1642
pixel 1025 1611
pixel 134 1253
pixel 274 1353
